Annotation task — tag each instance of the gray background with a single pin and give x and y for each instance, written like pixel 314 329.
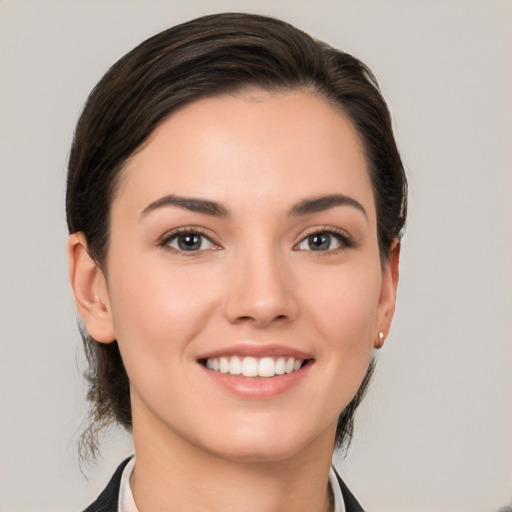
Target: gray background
pixel 435 434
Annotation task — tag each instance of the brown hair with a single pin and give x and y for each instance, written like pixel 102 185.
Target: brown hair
pixel 209 56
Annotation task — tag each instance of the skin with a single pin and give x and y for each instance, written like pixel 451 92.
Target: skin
pixel 256 280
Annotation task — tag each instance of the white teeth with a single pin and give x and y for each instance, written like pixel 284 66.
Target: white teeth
pixel 254 367
pixel 266 367
pixel 223 365
pixel 249 367
pixel 280 366
pixel 235 366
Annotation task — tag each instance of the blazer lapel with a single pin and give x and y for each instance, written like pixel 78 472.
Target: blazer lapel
pixel 351 504
pixel 108 500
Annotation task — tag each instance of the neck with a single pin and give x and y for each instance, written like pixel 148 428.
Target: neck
pixel 172 474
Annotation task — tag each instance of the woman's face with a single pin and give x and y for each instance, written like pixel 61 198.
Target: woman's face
pixel 243 239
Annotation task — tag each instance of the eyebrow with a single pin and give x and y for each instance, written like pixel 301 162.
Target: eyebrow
pixel 188 203
pixel 321 203
pixel 216 209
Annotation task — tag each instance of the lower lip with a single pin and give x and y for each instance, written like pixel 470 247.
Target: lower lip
pixel 258 388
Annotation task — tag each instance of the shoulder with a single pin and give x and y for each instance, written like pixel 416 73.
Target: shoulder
pixel 107 501
pixel 351 504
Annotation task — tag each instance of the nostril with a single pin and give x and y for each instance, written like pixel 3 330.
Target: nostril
pixel 262 320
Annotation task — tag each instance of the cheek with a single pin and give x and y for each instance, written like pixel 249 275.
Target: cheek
pixel 345 316
pixel 346 306
pixel 347 322
pixel 154 307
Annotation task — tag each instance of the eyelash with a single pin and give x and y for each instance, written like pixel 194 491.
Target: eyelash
pixel 341 236
pixel 186 230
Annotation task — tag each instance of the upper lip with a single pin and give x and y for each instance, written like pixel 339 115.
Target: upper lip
pixel 256 350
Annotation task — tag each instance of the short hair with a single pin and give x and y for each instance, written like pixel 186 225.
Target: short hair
pixel 210 56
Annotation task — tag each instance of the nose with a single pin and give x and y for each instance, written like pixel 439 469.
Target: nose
pixel 261 290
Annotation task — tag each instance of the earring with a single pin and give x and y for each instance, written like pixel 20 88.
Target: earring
pixel 381 340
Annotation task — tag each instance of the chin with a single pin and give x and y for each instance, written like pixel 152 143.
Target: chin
pixel 252 452
pixel 254 445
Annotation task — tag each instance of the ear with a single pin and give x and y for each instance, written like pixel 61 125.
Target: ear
pixel 387 299
pixel 90 290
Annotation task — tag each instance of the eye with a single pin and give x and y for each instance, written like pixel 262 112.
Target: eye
pixel 322 241
pixel 189 241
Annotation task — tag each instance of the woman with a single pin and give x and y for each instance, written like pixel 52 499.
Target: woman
pixel 235 201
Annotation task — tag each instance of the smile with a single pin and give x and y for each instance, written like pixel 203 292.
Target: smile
pixel 253 366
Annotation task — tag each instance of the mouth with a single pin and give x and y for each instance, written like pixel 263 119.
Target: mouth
pixel 248 366
pixel 256 371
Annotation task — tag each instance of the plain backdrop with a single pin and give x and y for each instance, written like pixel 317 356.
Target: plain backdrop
pixel 435 433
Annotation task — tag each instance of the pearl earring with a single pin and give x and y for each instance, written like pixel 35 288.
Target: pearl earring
pixel 381 340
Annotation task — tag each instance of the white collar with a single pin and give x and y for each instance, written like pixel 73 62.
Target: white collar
pixel 127 503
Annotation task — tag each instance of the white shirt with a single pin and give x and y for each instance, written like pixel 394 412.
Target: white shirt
pixel 127 503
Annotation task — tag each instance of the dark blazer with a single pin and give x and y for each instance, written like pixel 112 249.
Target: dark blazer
pixel 107 501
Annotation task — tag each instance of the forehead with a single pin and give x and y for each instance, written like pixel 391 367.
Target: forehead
pixel 255 145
